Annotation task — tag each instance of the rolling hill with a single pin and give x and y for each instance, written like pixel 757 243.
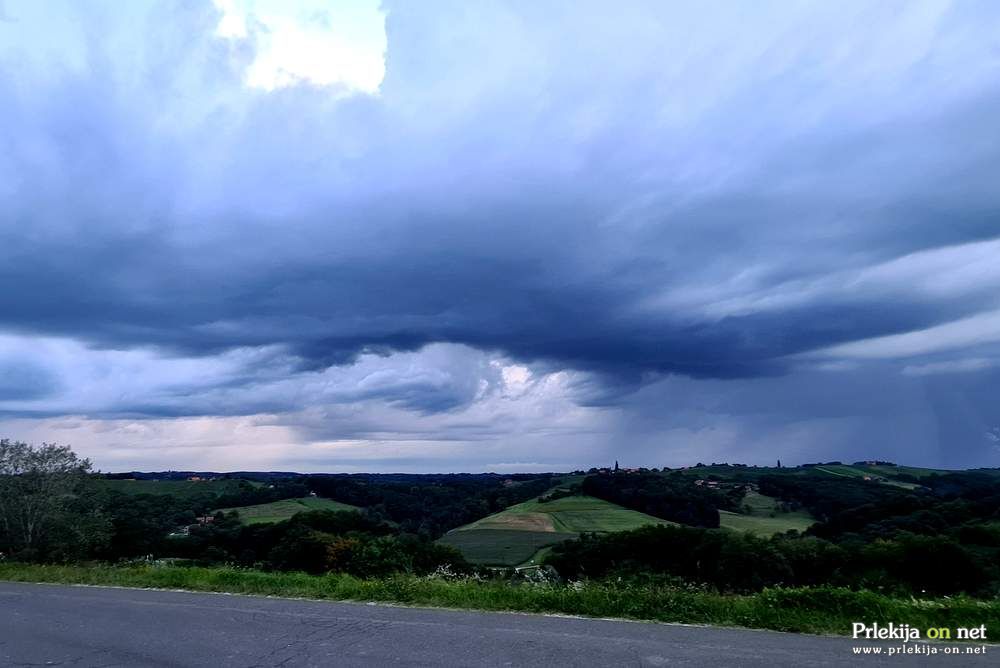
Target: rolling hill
pixel 881 474
pixel 277 511
pixel 512 536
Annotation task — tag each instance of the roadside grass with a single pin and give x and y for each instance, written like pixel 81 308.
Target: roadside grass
pixel 761 522
pixel 819 610
pixel 278 511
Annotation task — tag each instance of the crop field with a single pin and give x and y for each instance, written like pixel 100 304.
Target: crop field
pixel 760 521
pixel 278 511
pixel 501 547
pixel 571 514
pixel 512 536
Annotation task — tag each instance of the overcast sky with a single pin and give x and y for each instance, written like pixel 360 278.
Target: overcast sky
pixel 468 236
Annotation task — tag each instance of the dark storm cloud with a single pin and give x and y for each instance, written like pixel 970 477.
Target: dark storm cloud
pixel 22 379
pixel 658 191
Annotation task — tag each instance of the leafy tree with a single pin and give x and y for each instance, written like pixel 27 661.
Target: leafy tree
pixel 47 508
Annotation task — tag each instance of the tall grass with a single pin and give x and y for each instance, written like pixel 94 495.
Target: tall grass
pixel 813 610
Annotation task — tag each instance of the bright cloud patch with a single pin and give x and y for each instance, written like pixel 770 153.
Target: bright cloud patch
pixel 321 43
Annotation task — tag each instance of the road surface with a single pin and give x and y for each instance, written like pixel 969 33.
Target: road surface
pixel 92 626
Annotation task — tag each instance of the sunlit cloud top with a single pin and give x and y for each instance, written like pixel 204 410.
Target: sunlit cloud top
pixel 322 43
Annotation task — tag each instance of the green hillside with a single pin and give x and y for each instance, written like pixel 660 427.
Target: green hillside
pixel 512 536
pixel 570 514
pixel 501 547
pixel 765 517
pixel 916 472
pixel 873 473
pixel 278 511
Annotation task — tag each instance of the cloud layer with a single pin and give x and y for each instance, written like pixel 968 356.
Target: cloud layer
pixel 556 233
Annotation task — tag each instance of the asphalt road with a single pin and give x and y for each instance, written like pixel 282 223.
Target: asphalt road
pixel 92 626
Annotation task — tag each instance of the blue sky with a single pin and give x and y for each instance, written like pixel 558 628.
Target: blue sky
pixel 503 236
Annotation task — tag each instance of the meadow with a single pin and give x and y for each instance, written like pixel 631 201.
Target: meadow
pixel 895 469
pixel 278 511
pixel 569 514
pixel 765 517
pixel 513 536
pixel 866 473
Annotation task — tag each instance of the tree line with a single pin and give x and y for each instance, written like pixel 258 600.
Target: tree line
pixel 941 537
pixel 53 508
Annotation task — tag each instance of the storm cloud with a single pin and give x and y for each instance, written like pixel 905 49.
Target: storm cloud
pixel 778 222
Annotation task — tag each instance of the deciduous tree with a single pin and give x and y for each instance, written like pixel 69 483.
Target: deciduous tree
pixel 44 509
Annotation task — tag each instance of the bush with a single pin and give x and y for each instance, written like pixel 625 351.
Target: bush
pixel 734 562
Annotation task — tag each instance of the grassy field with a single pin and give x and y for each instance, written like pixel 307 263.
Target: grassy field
pixel 819 610
pixel 862 472
pixel 181 488
pixel 890 471
pixel 843 470
pixel 760 521
pixel 512 536
pixel 570 514
pixel 502 547
pixel 278 511
pixel 764 525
